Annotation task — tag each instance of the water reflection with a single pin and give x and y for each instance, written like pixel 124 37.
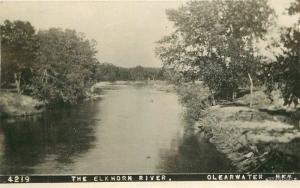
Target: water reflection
pixel 194 154
pixel 133 129
pixel 47 143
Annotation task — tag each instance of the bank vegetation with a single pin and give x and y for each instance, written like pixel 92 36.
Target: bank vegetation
pixel 242 100
pixel 54 67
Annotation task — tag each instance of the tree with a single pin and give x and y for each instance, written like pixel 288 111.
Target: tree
pixel 214 41
pixel 284 73
pixel 18 52
pixel 64 66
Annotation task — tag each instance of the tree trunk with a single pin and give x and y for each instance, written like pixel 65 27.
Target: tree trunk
pixel 18 82
pixel 251 90
pixel 233 95
pixel 213 101
pixel 46 76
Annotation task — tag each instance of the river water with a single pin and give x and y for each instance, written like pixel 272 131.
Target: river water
pixel 130 129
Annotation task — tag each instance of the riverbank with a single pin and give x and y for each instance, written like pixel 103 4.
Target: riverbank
pixel 13 104
pixel 264 138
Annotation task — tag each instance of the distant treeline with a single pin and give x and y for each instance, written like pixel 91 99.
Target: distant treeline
pixel 110 72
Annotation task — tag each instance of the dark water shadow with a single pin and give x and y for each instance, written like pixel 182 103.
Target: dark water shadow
pixel 47 143
pixel 194 154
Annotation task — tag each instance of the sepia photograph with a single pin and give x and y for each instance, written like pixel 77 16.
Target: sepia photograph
pixel 126 91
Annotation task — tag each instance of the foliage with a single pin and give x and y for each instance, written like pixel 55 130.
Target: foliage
pixel 18 51
pixel 58 65
pixel 53 65
pixel 214 41
pixel 110 72
pixel 195 97
pixel 284 73
pixel 64 67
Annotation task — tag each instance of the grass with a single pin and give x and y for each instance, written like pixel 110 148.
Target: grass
pixel 13 104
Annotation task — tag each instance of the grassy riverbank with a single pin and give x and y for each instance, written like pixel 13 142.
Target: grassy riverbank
pixel 13 104
pixel 264 138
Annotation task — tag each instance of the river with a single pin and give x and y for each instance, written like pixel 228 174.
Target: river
pixel 131 129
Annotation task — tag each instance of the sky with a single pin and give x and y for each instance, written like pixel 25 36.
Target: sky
pixel 125 31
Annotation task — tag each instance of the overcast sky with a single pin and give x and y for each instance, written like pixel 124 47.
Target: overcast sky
pixel 125 31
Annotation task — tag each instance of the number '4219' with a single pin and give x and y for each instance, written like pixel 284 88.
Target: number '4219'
pixel 18 179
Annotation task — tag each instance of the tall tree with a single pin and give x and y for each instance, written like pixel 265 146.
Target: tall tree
pixel 214 41
pixel 284 73
pixel 18 52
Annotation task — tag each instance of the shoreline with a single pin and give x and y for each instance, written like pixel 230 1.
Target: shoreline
pixel 254 139
pixel 18 105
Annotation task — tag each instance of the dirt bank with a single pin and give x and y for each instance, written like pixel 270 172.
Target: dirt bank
pixel 254 140
pixel 264 138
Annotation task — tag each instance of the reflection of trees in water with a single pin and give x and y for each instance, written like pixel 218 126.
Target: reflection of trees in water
pixel 193 154
pixel 56 137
